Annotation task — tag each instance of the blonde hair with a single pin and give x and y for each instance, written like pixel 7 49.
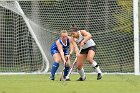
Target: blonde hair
pixel 63 31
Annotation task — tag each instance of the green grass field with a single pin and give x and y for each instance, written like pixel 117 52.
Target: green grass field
pixel 42 84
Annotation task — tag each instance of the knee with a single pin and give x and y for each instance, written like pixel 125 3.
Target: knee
pixel 68 64
pixel 79 68
pixel 57 60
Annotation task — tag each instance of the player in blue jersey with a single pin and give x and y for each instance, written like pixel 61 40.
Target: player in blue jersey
pixel 59 50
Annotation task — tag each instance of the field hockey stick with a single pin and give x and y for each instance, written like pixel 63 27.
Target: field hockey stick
pixel 61 78
pixel 73 64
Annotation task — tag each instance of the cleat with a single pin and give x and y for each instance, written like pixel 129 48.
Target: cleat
pixel 62 79
pixel 51 78
pixel 68 79
pixel 99 76
pixel 81 79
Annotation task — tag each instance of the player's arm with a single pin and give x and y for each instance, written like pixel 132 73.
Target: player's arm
pixel 87 36
pixel 75 46
pixel 71 46
pixel 61 51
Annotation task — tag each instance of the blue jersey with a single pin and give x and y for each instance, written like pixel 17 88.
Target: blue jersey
pixel 54 48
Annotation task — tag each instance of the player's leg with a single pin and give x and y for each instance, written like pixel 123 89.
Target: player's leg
pixel 55 65
pixel 90 56
pixel 80 61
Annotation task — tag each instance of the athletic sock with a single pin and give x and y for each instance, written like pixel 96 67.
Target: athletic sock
pixel 54 68
pixel 95 66
pixel 82 73
pixel 66 70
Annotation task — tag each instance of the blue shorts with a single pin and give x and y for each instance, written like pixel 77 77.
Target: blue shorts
pixel 56 51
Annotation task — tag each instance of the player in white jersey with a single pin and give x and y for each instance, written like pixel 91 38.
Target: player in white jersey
pixel 83 38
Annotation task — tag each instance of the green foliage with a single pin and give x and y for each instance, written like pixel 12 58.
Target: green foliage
pixel 125 16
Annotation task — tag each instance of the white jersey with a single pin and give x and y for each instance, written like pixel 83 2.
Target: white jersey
pixel 88 43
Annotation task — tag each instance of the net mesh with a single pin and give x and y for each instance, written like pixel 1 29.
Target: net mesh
pixel 19 52
pixel 109 21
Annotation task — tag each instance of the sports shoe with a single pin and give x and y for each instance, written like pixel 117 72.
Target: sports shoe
pixel 62 79
pixel 81 79
pixel 51 78
pixel 68 79
pixel 99 76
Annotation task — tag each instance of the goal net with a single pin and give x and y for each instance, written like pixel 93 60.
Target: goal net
pixel 28 28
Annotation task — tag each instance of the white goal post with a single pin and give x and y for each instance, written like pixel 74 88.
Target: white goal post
pixel 136 37
pixel 28 28
pixel 34 35
pixel 15 7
